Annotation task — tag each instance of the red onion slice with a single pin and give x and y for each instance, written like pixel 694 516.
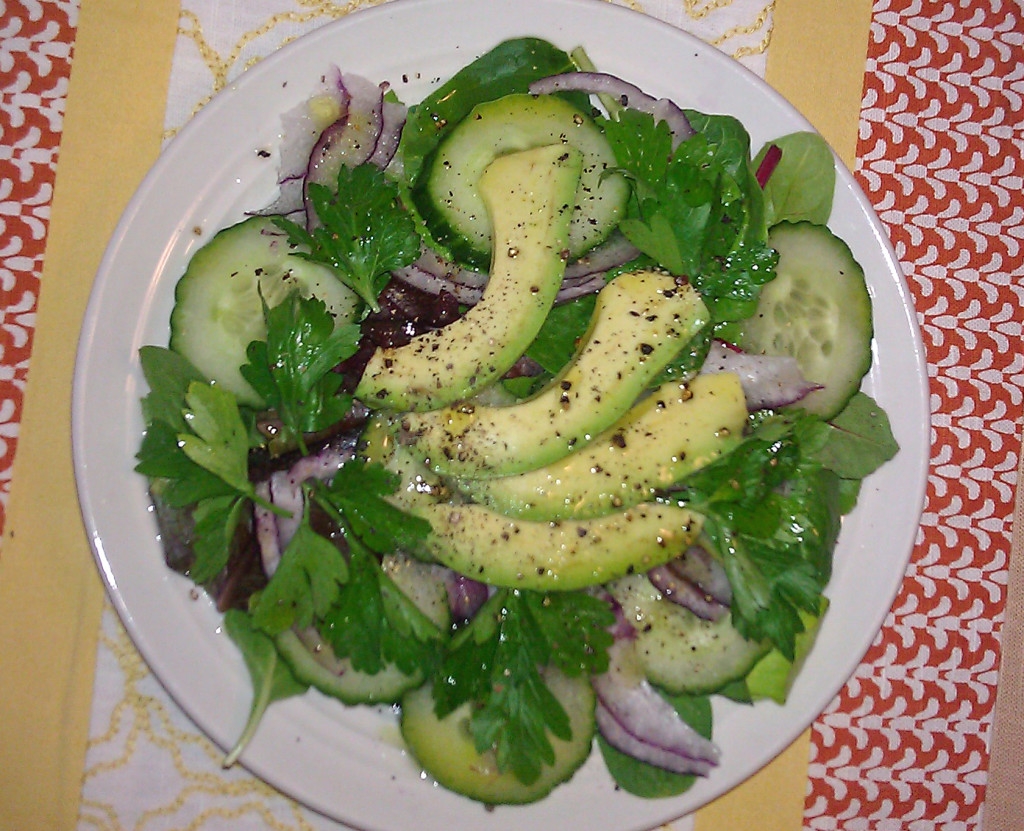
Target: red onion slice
pixel 683 593
pixel 284 490
pixel 300 132
pixel 629 95
pixel 465 596
pixel 635 719
pixel 351 140
pixel 695 580
pixel 772 157
pixel 767 380
pixel 393 115
pixel 612 253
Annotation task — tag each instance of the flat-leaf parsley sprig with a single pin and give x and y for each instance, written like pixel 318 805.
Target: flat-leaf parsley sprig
pixel 292 370
pixel 342 590
pixel 364 232
pixel 195 453
pixel 496 662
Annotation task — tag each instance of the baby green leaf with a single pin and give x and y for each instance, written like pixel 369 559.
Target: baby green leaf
pixel 803 183
pixel 271 678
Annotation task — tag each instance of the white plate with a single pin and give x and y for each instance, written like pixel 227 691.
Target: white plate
pixel 348 763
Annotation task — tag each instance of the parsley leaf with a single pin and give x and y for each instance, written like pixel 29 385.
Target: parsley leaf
pixel 219 440
pixel 305 585
pixel 356 497
pixel 216 521
pixel 497 663
pixel 364 232
pixel 178 480
pixel 292 368
pixel 772 514
pixel 374 624
pixel 168 375
pixel 697 211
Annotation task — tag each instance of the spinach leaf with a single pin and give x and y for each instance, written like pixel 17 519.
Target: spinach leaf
pixel 803 182
pixel 859 440
pixel 646 780
pixel 272 680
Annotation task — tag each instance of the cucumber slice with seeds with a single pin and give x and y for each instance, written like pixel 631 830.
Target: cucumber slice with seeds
pixel 313 662
pixel 447 195
pixel 816 310
pixel 446 750
pixel 680 652
pixel 217 310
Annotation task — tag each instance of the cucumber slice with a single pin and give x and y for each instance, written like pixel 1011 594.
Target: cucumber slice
pixel 445 749
pixel 313 662
pixel 449 200
pixel 217 310
pixel 680 652
pixel 816 310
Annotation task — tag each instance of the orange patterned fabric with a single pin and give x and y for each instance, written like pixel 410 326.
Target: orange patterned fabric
pixel 35 63
pixel 905 745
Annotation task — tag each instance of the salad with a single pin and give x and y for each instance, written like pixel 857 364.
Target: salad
pixel 531 409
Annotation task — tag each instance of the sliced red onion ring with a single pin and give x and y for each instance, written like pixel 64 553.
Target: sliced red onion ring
pixel 300 132
pixel 767 380
pixel 424 280
pixel 701 567
pixel 351 140
pixel 683 593
pixel 629 95
pixel 615 251
pixel 393 115
pixel 430 273
pixel 696 581
pixel 772 157
pixel 284 490
pixel 635 719
pixel 267 535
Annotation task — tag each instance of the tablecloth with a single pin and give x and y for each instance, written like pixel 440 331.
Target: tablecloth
pixel 938 150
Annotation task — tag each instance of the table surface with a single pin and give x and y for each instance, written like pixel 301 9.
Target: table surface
pixel 940 149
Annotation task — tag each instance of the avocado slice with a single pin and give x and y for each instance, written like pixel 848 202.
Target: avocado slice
pixel 554 556
pixel 530 198
pixel 640 322
pixel 507 551
pixel 677 429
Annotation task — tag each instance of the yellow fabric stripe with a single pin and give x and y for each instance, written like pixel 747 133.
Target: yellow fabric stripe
pixel 816 60
pixel 50 597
